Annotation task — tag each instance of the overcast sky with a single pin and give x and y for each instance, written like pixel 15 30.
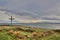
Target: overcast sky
pixel 30 10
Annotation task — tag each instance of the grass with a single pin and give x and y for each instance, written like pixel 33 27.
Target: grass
pixel 26 31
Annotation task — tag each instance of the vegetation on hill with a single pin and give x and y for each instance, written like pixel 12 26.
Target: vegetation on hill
pixel 27 33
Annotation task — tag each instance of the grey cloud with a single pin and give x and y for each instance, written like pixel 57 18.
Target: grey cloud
pixel 31 5
pixel 31 9
pixel 47 18
pixel 23 14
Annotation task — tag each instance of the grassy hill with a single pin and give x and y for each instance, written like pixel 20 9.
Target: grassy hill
pixel 27 33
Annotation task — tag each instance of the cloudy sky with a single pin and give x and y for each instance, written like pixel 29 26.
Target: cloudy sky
pixel 30 11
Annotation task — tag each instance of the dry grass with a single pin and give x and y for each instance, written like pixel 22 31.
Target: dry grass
pixel 24 33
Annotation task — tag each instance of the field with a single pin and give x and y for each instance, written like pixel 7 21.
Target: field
pixel 27 33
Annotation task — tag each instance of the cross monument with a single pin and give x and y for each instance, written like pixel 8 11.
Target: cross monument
pixel 11 19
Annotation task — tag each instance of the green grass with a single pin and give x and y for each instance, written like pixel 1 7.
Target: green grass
pixel 5 36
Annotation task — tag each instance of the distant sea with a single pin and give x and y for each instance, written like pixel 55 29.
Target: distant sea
pixel 43 25
pixel 37 25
